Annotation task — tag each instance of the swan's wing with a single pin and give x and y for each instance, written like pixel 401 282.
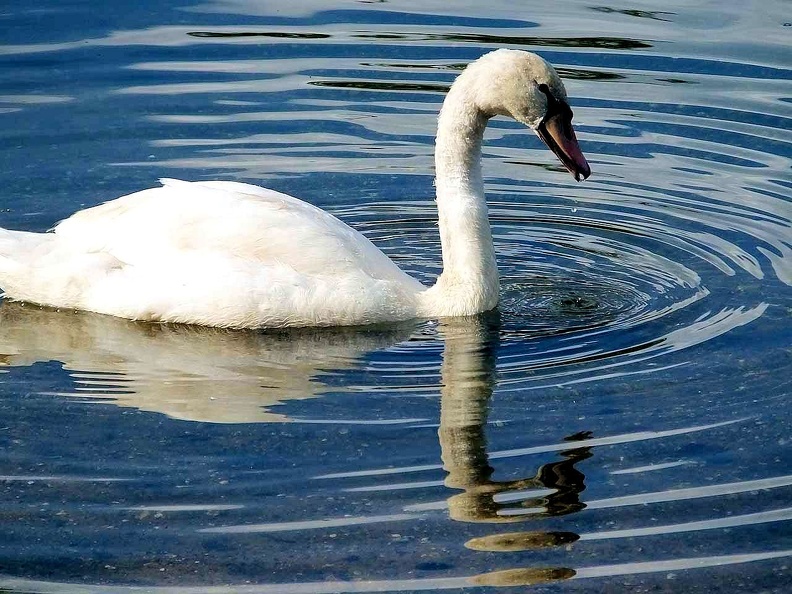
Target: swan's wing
pixel 234 219
pixel 215 253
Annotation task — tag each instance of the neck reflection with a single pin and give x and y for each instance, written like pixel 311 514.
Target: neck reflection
pixel 469 377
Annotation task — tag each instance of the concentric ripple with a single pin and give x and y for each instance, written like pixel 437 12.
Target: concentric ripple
pixel 598 282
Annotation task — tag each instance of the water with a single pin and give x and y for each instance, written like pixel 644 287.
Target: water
pixel 621 423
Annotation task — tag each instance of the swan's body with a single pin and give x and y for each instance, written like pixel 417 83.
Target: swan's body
pixel 212 253
pixel 237 255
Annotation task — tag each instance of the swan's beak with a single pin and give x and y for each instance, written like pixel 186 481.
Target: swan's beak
pixel 557 133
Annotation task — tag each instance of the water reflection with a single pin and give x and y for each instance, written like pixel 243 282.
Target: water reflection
pixel 227 376
pixel 185 372
pixel 468 380
pixel 468 376
pixel 647 307
pixel 221 376
pixel 610 43
pixel 268 34
pixel 657 15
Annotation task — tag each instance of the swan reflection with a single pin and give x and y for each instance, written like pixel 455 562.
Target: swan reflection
pixel 468 379
pixel 230 376
pixel 186 372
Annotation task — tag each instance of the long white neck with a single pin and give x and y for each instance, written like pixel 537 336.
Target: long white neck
pixel 469 282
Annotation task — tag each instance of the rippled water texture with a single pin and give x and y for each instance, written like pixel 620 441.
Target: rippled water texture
pixel 622 423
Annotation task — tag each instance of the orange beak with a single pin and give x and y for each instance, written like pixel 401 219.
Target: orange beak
pixel 557 133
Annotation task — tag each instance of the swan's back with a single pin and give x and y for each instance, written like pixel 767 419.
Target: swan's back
pixel 215 253
pixel 235 219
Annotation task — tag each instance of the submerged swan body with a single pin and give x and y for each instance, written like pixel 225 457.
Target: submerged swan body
pixel 237 255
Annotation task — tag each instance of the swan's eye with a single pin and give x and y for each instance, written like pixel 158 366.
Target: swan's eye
pixel 551 101
pixel 554 106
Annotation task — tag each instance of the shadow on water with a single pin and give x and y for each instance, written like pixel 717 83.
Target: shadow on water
pixel 370 85
pixel 380 86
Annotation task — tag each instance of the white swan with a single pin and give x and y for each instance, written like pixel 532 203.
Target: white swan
pixel 236 255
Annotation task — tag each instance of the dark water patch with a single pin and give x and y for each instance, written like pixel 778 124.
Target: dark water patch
pixel 512 40
pixel 273 34
pixel 380 86
pixel 657 15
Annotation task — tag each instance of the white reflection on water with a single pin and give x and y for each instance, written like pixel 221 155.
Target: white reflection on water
pixel 651 467
pixel 511 453
pixel 689 493
pixel 196 374
pixel 308 524
pixel 33 478
pixel 775 515
pixel 504 578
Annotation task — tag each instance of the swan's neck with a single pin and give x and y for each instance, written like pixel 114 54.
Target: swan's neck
pixel 469 281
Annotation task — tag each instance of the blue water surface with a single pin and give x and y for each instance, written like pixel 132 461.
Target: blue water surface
pixel 622 422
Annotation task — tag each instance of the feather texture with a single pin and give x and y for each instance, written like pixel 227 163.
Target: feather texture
pixel 214 253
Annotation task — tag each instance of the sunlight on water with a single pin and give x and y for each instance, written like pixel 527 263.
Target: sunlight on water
pixel 620 423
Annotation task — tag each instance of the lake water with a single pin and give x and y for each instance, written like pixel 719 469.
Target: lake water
pixel 622 423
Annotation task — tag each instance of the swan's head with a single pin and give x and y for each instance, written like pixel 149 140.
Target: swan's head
pixel 525 87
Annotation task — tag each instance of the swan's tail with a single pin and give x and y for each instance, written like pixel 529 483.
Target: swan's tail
pixel 12 244
pixel 17 249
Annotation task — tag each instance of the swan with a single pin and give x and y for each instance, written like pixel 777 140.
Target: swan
pixel 229 254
